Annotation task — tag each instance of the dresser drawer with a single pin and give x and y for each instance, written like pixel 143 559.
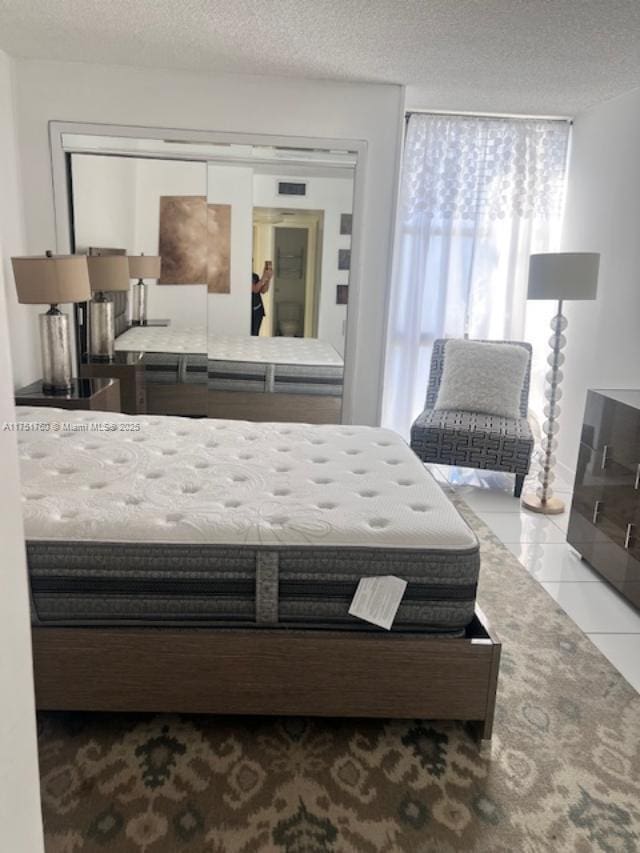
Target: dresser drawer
pixel 618 512
pixel 621 532
pixel 612 512
pixel 607 554
pixel 589 482
pixel 583 531
pixel 613 428
pixel 598 477
pixel 620 495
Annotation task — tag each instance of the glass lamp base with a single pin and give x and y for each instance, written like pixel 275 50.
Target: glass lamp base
pixel 552 506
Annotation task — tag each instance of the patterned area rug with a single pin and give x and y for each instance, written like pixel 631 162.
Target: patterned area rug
pixel 563 774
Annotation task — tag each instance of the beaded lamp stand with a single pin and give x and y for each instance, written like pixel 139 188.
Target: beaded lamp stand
pixel 543 501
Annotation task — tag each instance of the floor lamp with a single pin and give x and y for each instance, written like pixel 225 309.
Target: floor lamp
pixel 559 276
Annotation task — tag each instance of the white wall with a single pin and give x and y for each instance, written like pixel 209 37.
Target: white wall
pixel 230 313
pixel 104 201
pixel 20 819
pixel 372 113
pixel 183 304
pixel 603 215
pixel 333 196
pixel 116 203
pixel 22 319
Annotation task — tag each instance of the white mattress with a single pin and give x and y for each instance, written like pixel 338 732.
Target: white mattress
pixel 278 350
pixel 164 479
pixel 178 339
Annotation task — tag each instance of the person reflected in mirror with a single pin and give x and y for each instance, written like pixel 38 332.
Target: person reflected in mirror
pixel 259 285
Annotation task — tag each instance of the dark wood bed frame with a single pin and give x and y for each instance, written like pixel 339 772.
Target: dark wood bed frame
pixel 270 672
pixel 197 401
pixel 180 398
pixel 261 406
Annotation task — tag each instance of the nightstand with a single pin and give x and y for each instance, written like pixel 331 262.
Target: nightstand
pixel 128 368
pixel 99 395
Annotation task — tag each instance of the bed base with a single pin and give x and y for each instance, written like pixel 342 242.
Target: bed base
pixel 263 406
pixel 178 398
pixel 277 672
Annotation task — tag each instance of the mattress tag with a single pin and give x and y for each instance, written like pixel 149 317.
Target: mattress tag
pixel 377 600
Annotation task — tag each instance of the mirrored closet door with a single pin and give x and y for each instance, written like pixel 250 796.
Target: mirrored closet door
pixel 276 343
pixel 239 267
pixel 154 212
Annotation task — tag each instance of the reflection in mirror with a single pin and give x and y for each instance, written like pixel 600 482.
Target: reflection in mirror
pixel 151 335
pixel 276 343
pixel 247 315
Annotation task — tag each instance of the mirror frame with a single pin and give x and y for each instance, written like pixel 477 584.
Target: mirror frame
pixel 60 169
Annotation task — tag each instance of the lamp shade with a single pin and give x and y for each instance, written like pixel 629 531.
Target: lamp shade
pixel 144 266
pixel 108 272
pixel 564 275
pixel 42 280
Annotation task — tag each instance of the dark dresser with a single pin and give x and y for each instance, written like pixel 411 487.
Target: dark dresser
pixel 604 525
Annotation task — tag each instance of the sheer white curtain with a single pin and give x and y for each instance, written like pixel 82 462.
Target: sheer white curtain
pixel 477 197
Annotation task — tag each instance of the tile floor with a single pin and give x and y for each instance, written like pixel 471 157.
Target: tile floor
pixel 539 543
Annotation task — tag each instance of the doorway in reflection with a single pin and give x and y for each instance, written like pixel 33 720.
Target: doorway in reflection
pixel 290 297
pixel 293 239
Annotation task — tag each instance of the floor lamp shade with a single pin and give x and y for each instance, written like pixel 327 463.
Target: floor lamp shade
pixel 563 275
pixel 559 276
pixel 141 267
pixel 52 280
pixel 107 274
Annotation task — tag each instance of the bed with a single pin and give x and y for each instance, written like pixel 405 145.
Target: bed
pixel 244 372
pixel 208 565
pixel 175 366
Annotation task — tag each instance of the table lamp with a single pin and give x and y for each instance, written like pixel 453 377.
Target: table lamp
pixel 53 280
pixel 107 273
pixel 557 276
pixel 141 267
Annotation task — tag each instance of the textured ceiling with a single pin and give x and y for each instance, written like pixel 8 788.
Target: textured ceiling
pixel 531 56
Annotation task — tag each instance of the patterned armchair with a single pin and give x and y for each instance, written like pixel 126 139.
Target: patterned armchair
pixel 472 439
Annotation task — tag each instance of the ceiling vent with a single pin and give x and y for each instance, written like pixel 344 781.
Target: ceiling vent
pixel 290 188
